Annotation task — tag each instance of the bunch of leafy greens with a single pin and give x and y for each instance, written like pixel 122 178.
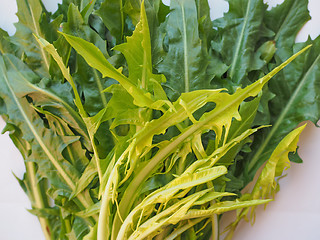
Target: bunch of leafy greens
pixel 141 121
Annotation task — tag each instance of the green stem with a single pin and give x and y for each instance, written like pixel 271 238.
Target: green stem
pixel 214 219
pixel 38 198
pixel 215 227
pixel 68 225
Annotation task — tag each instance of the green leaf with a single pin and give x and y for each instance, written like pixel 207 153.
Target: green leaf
pixel 266 185
pixel 213 120
pixel 111 12
pixel 211 196
pixel 77 26
pixel 171 215
pixel 46 144
pixel 297 103
pixel 286 20
pixel 33 186
pixel 156 13
pixel 90 211
pixel 137 51
pixel 6 46
pixel 63 8
pixel 96 60
pixel 222 207
pixel 132 9
pixel 185 63
pixel 49 27
pixel 86 177
pixel 247 112
pixel 87 7
pixel 79 229
pixel 33 20
pixel 205 23
pixel 92 235
pixel 91 82
pixel 238 35
pixel 185 181
pixel 65 71
pixel 73 152
pixel 48 94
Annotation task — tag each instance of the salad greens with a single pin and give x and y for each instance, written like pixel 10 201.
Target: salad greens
pixel 138 120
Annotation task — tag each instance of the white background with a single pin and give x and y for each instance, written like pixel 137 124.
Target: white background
pixel 294 215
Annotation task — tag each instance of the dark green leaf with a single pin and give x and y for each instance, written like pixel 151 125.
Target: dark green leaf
pixel 237 38
pixel 111 12
pixel 185 63
pixel 296 100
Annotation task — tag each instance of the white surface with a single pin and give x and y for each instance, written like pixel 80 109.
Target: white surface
pixel 294 215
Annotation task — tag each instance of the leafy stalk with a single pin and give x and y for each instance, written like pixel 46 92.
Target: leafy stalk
pixel 38 198
pixel 224 103
pixel 126 135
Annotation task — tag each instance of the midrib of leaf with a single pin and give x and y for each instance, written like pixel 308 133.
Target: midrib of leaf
pixel 281 117
pixel 56 164
pixel 198 7
pixel 35 187
pixel 46 61
pixel 122 18
pixel 185 49
pixel 235 58
pixel 39 203
pixel 144 69
pixel 100 88
pixel 284 22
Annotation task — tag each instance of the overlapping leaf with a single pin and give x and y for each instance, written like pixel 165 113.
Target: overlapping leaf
pixel 238 36
pixel 33 19
pixel 299 102
pixel 46 146
pixel 213 120
pixel 160 165
pixel 266 185
pixel 185 63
